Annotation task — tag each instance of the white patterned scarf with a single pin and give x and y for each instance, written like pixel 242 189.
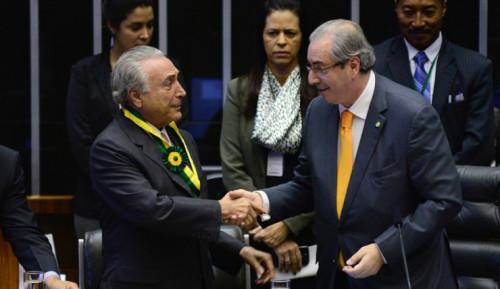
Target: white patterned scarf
pixel 278 122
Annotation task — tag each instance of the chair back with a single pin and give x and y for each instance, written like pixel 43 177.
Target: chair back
pixel 223 280
pixel 90 260
pixel 475 232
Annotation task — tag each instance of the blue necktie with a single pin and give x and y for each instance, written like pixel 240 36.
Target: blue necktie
pixel 420 75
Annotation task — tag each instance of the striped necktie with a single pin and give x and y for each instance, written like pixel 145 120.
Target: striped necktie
pixel 420 76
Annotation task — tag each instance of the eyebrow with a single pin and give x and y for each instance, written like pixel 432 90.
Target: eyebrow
pixel 170 78
pixel 317 62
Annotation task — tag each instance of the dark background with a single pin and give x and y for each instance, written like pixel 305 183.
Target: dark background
pixel 195 40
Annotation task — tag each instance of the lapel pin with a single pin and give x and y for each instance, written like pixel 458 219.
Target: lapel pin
pixel 377 124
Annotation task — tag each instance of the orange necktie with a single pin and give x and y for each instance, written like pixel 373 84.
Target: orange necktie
pixel 344 168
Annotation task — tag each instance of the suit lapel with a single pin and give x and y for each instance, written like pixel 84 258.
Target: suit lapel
pixel 331 153
pixel 398 63
pixel 445 73
pixel 374 124
pixel 143 141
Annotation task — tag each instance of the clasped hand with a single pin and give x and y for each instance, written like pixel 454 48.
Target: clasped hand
pixel 241 208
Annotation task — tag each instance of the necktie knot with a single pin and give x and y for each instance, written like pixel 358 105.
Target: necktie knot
pixel 346 119
pixel 421 58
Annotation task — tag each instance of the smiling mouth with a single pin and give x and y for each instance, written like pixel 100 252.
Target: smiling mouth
pixel 322 89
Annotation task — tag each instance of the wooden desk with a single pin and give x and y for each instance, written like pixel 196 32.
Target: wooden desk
pixel 54 215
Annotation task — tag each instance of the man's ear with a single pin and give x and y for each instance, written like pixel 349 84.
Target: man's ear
pixel 355 64
pixel 135 98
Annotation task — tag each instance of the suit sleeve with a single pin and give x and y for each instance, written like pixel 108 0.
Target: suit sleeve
pixel 234 172
pixel 434 177
pixel 478 143
pixel 124 187
pixel 297 224
pixel 226 253
pixel 77 117
pixel 18 224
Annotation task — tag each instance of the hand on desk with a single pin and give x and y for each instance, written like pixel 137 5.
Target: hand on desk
pixel 52 282
pixel 260 261
pixel 365 262
pixel 239 211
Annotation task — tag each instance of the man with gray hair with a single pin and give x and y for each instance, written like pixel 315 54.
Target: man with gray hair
pixel 158 230
pixel 374 155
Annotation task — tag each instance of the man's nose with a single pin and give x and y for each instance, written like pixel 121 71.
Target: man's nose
pixel 312 78
pixel 180 90
pixel 418 20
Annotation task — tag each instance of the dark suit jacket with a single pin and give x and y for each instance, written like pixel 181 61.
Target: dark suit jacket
pixel 468 122
pixel 157 232
pixel 403 171
pixel 89 109
pixel 17 221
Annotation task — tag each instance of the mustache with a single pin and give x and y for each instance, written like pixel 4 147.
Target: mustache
pixel 418 30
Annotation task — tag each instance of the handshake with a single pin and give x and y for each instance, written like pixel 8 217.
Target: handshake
pixel 241 208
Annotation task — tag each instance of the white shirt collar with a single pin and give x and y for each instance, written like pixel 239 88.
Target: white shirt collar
pixel 162 132
pixel 431 51
pixel 360 107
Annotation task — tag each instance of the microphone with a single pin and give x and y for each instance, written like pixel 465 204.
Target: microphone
pixel 403 253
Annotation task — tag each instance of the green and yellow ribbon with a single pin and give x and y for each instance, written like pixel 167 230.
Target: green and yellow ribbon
pixel 174 157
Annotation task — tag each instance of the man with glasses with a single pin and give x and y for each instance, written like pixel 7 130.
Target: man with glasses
pixel 456 81
pixel 374 155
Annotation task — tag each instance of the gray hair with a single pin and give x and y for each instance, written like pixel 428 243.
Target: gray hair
pixel 128 73
pixel 348 40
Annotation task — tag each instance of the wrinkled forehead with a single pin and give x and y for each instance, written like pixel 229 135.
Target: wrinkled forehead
pixel 159 68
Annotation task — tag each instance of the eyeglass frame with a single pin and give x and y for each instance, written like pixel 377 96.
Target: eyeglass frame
pixel 323 70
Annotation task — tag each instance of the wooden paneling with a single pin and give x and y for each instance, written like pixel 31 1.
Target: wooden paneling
pixel 51 205
pixel 9 268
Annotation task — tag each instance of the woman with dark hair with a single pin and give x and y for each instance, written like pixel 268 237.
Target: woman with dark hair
pixel 90 107
pixel 262 121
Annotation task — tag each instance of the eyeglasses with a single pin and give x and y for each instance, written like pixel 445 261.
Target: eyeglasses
pixel 322 70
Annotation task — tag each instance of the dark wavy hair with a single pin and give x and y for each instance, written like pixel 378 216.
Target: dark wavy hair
pixel 259 62
pixel 115 11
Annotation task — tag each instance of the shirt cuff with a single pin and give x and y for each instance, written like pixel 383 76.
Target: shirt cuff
pixel 50 273
pixel 383 258
pixel 265 205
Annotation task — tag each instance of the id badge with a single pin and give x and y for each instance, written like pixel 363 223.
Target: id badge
pixel 275 164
